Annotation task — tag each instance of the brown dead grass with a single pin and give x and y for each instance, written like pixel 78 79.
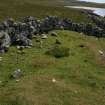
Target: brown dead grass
pixel 100 60
pixel 40 90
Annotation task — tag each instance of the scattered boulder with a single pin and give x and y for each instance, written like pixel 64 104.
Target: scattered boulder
pixel 54 34
pixel 17 74
pixel 20 47
pixel 21 32
pixel 5 41
pixel 101 52
pixel 44 36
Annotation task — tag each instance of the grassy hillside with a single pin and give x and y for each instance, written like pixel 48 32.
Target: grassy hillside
pixel 21 8
pixel 80 78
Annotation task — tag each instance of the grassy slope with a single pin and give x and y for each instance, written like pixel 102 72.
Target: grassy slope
pixel 80 77
pixel 20 8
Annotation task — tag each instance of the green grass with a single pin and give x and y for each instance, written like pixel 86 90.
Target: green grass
pixel 80 77
pixel 40 8
pixel 20 8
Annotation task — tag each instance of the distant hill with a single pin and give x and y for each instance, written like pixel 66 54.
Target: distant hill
pixel 38 8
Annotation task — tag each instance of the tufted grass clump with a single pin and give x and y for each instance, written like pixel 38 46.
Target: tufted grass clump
pixel 58 51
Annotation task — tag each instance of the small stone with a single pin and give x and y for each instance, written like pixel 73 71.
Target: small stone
pixel 101 52
pixel 17 74
pixel 18 47
pixel 17 80
pixel 81 33
pixel 44 36
pixel 54 34
pixel 53 80
pixel 28 47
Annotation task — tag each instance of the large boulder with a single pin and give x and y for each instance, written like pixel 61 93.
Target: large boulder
pixel 5 41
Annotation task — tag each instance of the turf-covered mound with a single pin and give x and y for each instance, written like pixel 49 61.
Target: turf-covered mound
pixel 58 51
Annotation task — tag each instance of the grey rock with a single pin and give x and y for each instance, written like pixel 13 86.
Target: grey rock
pixel 17 74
